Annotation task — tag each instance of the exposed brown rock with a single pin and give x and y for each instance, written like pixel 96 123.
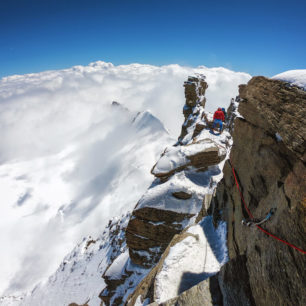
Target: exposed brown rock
pixel 198 129
pixel 151 228
pixel 191 94
pixel 89 242
pixel 195 89
pixel 276 107
pixel 182 195
pixel 201 160
pixel 204 159
pixel 271 173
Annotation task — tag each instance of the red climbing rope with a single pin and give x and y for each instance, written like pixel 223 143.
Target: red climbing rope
pixel 251 216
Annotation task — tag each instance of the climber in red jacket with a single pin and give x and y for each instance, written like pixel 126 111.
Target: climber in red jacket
pixel 218 119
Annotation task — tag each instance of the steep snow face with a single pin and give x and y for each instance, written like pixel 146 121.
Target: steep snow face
pixel 69 161
pixel 192 260
pixel 295 77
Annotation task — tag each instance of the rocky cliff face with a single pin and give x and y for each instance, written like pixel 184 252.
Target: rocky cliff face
pixel 269 159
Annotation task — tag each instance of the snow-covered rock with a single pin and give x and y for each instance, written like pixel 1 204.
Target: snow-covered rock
pixel 200 155
pixel 294 77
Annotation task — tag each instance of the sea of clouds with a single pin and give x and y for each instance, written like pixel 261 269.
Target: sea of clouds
pixel 69 161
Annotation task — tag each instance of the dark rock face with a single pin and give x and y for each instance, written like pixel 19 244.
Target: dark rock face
pixel 281 107
pixel 269 159
pixel 194 87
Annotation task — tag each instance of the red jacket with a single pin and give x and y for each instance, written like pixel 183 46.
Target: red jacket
pixel 219 115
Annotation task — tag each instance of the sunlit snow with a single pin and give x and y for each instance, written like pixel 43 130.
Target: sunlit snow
pixel 69 161
pixel 295 77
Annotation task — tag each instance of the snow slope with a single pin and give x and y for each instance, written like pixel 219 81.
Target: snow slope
pixel 192 260
pixel 56 200
pixel 78 278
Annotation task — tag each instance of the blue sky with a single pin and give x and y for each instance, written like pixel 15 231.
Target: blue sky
pixel 259 37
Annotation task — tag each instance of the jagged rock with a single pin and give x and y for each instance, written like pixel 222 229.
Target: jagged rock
pixel 182 195
pixel 191 94
pixel 149 232
pixel 268 156
pixel 198 129
pixel 195 89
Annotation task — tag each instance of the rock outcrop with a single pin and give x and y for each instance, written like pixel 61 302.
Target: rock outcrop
pixel 149 232
pixel 269 159
pixel 195 88
pixel 171 203
pixel 199 154
pixel 186 176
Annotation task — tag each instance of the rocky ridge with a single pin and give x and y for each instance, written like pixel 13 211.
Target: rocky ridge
pixel 159 215
pixel 267 121
pixel 185 177
pixel 269 160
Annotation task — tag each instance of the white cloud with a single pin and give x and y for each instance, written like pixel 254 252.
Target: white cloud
pixel 69 161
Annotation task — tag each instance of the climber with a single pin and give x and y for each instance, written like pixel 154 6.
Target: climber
pixel 218 119
pixel 224 112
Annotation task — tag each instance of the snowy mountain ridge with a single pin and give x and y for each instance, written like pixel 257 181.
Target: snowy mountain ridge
pixel 191 180
pixel 80 272
pixel 67 155
pixel 78 278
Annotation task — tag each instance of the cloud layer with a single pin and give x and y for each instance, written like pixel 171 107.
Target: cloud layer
pixel 69 161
